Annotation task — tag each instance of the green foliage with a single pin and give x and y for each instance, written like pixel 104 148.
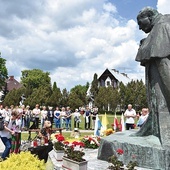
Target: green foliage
pixel 131 165
pixel 3 72
pixel 64 97
pixel 35 78
pixel 40 96
pixel 107 96
pixel 94 86
pixel 90 142
pixel 116 164
pixel 134 93
pixel 77 96
pixel 76 155
pixel 13 97
pixel 59 145
pixel 55 98
pixel 22 161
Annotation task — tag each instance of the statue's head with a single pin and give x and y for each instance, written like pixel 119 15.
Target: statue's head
pixel 146 18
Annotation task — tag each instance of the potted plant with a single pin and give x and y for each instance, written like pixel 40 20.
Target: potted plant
pixel 117 163
pixel 58 146
pixel 91 142
pixel 73 157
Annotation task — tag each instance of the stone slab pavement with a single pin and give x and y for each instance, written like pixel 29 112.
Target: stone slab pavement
pixel 90 156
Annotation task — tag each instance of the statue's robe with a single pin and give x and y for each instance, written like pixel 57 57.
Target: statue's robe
pixel 154 54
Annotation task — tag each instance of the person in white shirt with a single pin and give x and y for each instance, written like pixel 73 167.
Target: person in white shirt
pixel 6 111
pixel 63 117
pixel 143 117
pixel 36 111
pixel 6 134
pixel 2 111
pixel 77 119
pixel 130 114
pixel 43 116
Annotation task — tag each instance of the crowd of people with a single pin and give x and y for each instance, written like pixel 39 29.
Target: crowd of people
pixel 19 118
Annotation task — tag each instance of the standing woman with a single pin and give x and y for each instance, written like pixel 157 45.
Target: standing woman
pixel 57 118
pixel 16 138
pixel 28 117
pixel 43 116
pixel 87 116
pixel 50 115
pixel 6 134
pixel 77 119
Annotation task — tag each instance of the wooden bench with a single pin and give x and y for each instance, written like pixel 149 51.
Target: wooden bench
pixel 38 130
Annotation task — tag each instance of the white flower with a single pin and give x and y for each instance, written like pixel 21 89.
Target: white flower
pixel 92 142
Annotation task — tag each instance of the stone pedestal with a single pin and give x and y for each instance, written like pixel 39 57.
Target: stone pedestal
pixel 147 151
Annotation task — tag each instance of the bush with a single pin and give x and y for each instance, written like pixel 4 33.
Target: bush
pixel 22 161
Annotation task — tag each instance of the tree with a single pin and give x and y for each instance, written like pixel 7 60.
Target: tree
pixel 134 93
pixel 3 73
pixel 40 96
pixel 37 87
pixel 107 98
pixel 13 97
pixel 56 96
pixel 94 86
pixel 64 98
pixel 77 96
pixel 33 79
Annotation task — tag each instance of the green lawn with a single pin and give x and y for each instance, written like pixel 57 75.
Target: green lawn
pixel 67 134
pixel 110 118
pixel 24 135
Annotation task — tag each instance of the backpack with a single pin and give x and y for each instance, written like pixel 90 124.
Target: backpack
pixel 1 123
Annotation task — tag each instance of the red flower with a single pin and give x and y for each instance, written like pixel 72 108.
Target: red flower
pixel 56 136
pixel 75 143
pixel 81 144
pixel 90 139
pixel 59 137
pixel 66 143
pixel 120 151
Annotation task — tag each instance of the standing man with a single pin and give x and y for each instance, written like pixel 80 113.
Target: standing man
pixel 36 111
pixel 130 114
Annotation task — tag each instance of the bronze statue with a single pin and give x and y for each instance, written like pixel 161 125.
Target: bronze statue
pixel 154 54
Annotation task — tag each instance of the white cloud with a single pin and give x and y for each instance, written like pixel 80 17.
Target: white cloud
pixel 163 6
pixel 70 39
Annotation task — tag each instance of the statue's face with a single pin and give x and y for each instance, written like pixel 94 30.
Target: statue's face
pixel 144 24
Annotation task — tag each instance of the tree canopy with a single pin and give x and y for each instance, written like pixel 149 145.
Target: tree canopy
pixel 3 72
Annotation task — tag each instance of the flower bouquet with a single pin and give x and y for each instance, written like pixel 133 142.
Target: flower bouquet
pixel 75 151
pixel 109 132
pixel 117 164
pixel 91 142
pixel 73 157
pixel 58 142
pixel 58 146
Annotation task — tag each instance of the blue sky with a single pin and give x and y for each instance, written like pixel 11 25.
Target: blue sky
pixel 74 39
pixel 129 8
